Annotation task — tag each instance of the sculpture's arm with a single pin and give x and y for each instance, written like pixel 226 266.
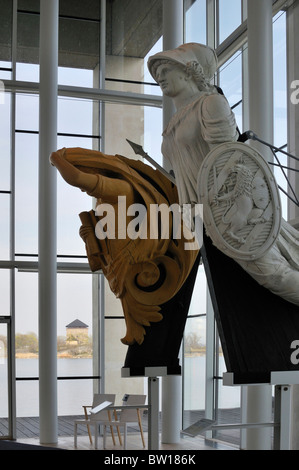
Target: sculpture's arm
pixel 101 187
pixel 72 175
pixel 219 124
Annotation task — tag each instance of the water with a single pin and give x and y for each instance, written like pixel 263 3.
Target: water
pixel 72 394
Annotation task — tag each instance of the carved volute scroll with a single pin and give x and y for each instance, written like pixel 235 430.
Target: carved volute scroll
pixel 144 272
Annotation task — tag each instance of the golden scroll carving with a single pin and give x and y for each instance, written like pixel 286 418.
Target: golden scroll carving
pixel 146 272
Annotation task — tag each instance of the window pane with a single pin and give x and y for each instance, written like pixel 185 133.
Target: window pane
pixel 115 353
pixel 5 292
pixel 120 70
pixel 80 391
pixel 229 397
pixel 27 112
pixel 75 345
pixel 75 77
pixel 153 88
pixel 75 116
pixel 27 394
pixel 5 226
pixel 195 21
pixel 5 72
pixel 229 410
pixel 113 307
pixel 75 358
pixel 71 141
pixel 229 17
pixel 194 359
pixel 5 146
pixel 153 127
pixel 26 221
pixel 73 394
pixel 27 72
pixel 280 79
pixel 123 122
pixel 115 350
pixel 26 315
pixel 70 202
pixel 4 410
pixel 280 100
pixel 26 339
pixel 74 302
pixel 198 303
pixel 231 84
pixel 194 370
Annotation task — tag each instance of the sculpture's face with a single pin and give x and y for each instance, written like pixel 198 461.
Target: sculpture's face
pixel 171 78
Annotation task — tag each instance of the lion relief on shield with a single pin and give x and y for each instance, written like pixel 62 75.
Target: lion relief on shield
pixel 245 202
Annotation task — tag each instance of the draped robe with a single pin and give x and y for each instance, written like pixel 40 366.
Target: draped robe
pixel 191 134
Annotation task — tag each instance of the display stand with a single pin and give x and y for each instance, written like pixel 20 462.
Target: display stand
pixel 153 374
pixel 282 406
pixel 282 410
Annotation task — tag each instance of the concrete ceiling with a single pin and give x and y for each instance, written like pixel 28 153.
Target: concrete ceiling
pixel 132 28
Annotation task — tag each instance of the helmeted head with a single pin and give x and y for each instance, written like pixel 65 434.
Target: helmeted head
pixel 184 55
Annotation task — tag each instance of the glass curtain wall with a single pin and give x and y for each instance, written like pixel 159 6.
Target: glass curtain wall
pixel 6 212
pixel 85 55
pixel 75 129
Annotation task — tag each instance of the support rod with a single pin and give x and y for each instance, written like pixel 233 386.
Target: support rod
pixel 153 413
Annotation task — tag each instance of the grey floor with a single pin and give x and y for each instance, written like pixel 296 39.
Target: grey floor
pixel 28 430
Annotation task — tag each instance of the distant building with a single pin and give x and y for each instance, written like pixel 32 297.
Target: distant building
pixel 76 332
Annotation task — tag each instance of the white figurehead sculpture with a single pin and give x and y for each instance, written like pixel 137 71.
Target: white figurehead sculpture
pixel 203 121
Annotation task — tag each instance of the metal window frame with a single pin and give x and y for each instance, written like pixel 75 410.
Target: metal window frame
pixel 7 320
pixel 84 93
pixel 238 38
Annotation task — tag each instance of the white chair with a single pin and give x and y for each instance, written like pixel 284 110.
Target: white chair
pixel 127 417
pixel 94 418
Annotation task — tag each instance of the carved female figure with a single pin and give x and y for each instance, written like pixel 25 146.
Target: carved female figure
pixel 204 120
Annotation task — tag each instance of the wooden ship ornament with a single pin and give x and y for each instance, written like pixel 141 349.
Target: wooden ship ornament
pixel 204 129
pixel 145 268
pixel 250 253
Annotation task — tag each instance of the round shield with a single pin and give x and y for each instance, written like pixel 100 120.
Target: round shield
pixel 241 202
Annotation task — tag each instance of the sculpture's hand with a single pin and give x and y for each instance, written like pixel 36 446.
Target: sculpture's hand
pixel 71 174
pixel 85 231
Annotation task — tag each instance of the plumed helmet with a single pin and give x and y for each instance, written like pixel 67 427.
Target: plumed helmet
pixel 184 54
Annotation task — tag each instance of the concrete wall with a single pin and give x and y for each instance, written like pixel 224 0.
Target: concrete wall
pixel 121 122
